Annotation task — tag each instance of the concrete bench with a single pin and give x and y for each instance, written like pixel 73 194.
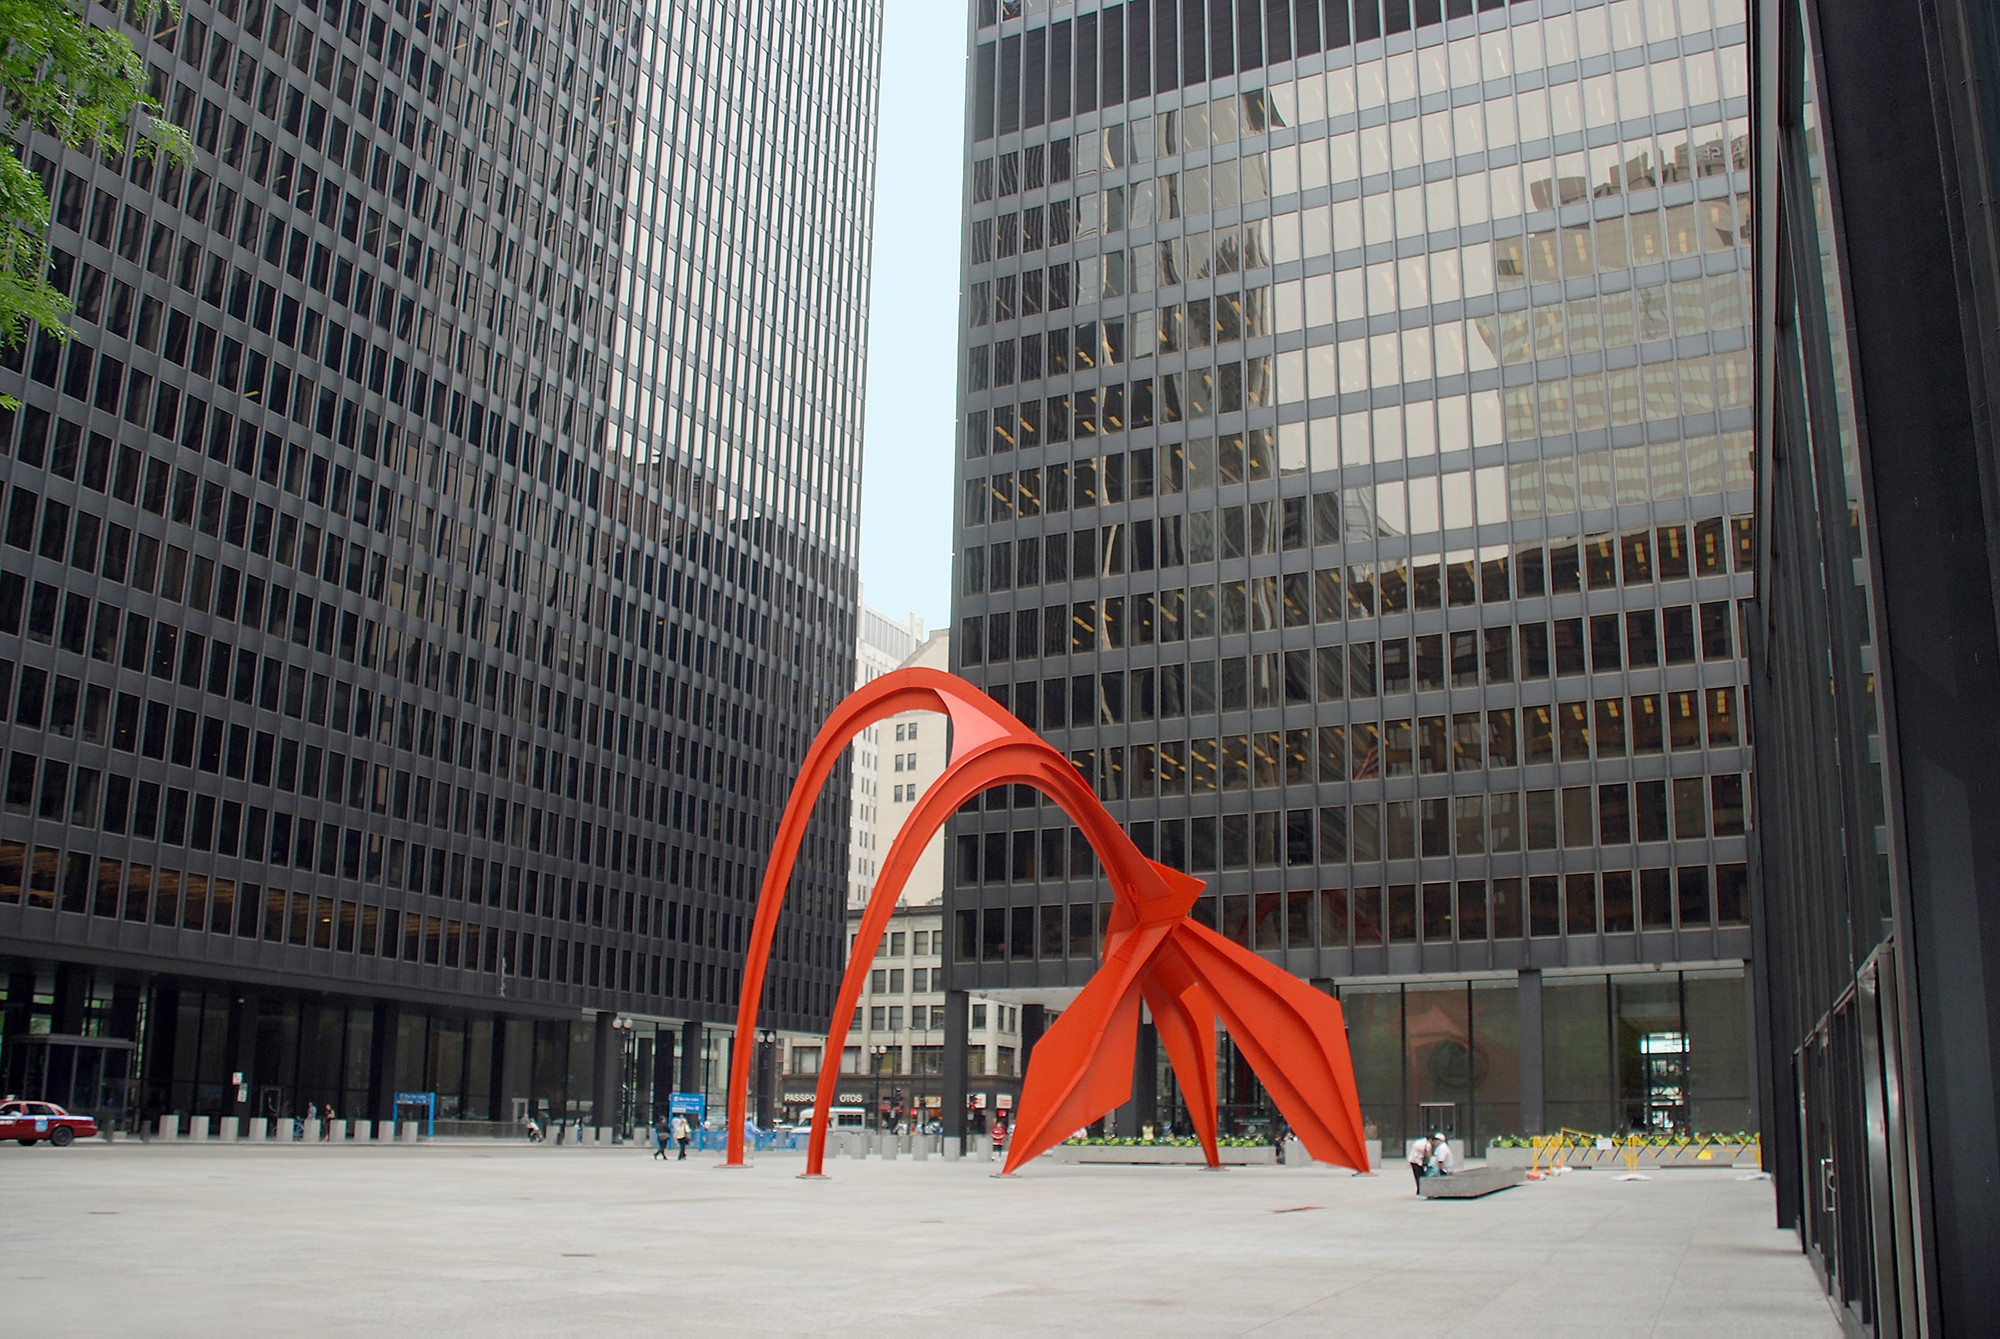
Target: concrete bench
pixel 1473 1182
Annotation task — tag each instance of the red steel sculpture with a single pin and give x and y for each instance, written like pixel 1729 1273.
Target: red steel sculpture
pixel 1081 1069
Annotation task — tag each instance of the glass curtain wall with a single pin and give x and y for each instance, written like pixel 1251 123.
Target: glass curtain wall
pixel 439 526
pixel 1355 481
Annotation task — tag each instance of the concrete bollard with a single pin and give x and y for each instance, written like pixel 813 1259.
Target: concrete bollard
pixel 857 1147
pixel 169 1127
pixel 230 1129
pixel 363 1129
pixel 197 1127
pixel 954 1148
pixel 920 1150
pixel 408 1131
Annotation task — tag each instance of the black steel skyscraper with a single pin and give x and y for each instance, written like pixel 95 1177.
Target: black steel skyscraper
pixel 1876 648
pixel 1355 481
pixel 422 568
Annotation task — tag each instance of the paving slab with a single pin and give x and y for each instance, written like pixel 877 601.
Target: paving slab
pixel 506 1239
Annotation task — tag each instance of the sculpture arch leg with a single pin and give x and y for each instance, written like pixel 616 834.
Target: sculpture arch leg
pixel 1272 1014
pixel 1187 1031
pixel 1007 762
pixel 975 720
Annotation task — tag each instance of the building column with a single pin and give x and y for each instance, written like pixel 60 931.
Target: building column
pixel 72 992
pixel 382 1062
pixel 163 1012
pixel 691 1056
pixel 764 1067
pixel 1034 1022
pixel 1129 1121
pixel 243 1051
pixel 663 1068
pixel 607 1069
pixel 124 1020
pixel 1532 1118
pixel 957 1028
pixel 507 1042
pixel 19 1005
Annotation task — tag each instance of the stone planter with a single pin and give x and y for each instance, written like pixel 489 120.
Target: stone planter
pixel 1131 1155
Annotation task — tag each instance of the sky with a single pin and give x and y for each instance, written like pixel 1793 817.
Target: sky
pixel 906 481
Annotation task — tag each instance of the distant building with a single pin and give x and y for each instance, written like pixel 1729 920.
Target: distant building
pixel 884 644
pixel 917 745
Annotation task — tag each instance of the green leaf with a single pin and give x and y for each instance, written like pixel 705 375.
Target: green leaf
pixel 86 86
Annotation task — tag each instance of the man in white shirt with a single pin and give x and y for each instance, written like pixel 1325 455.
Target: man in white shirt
pixel 1441 1157
pixel 1420 1156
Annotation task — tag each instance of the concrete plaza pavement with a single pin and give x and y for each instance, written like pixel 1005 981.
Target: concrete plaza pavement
pixel 162 1240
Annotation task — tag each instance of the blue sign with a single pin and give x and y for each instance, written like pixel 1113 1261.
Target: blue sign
pixel 429 1102
pixel 688 1104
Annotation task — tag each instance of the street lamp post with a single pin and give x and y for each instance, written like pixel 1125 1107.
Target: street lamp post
pixel 623 1028
pixel 919 1073
pixel 767 1041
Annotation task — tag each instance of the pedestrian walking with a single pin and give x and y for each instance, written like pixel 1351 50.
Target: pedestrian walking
pixel 681 1136
pixel 1420 1160
pixel 660 1137
pixel 999 1140
pixel 326 1125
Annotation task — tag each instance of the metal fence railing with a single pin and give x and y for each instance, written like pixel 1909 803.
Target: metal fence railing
pixel 1580 1148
